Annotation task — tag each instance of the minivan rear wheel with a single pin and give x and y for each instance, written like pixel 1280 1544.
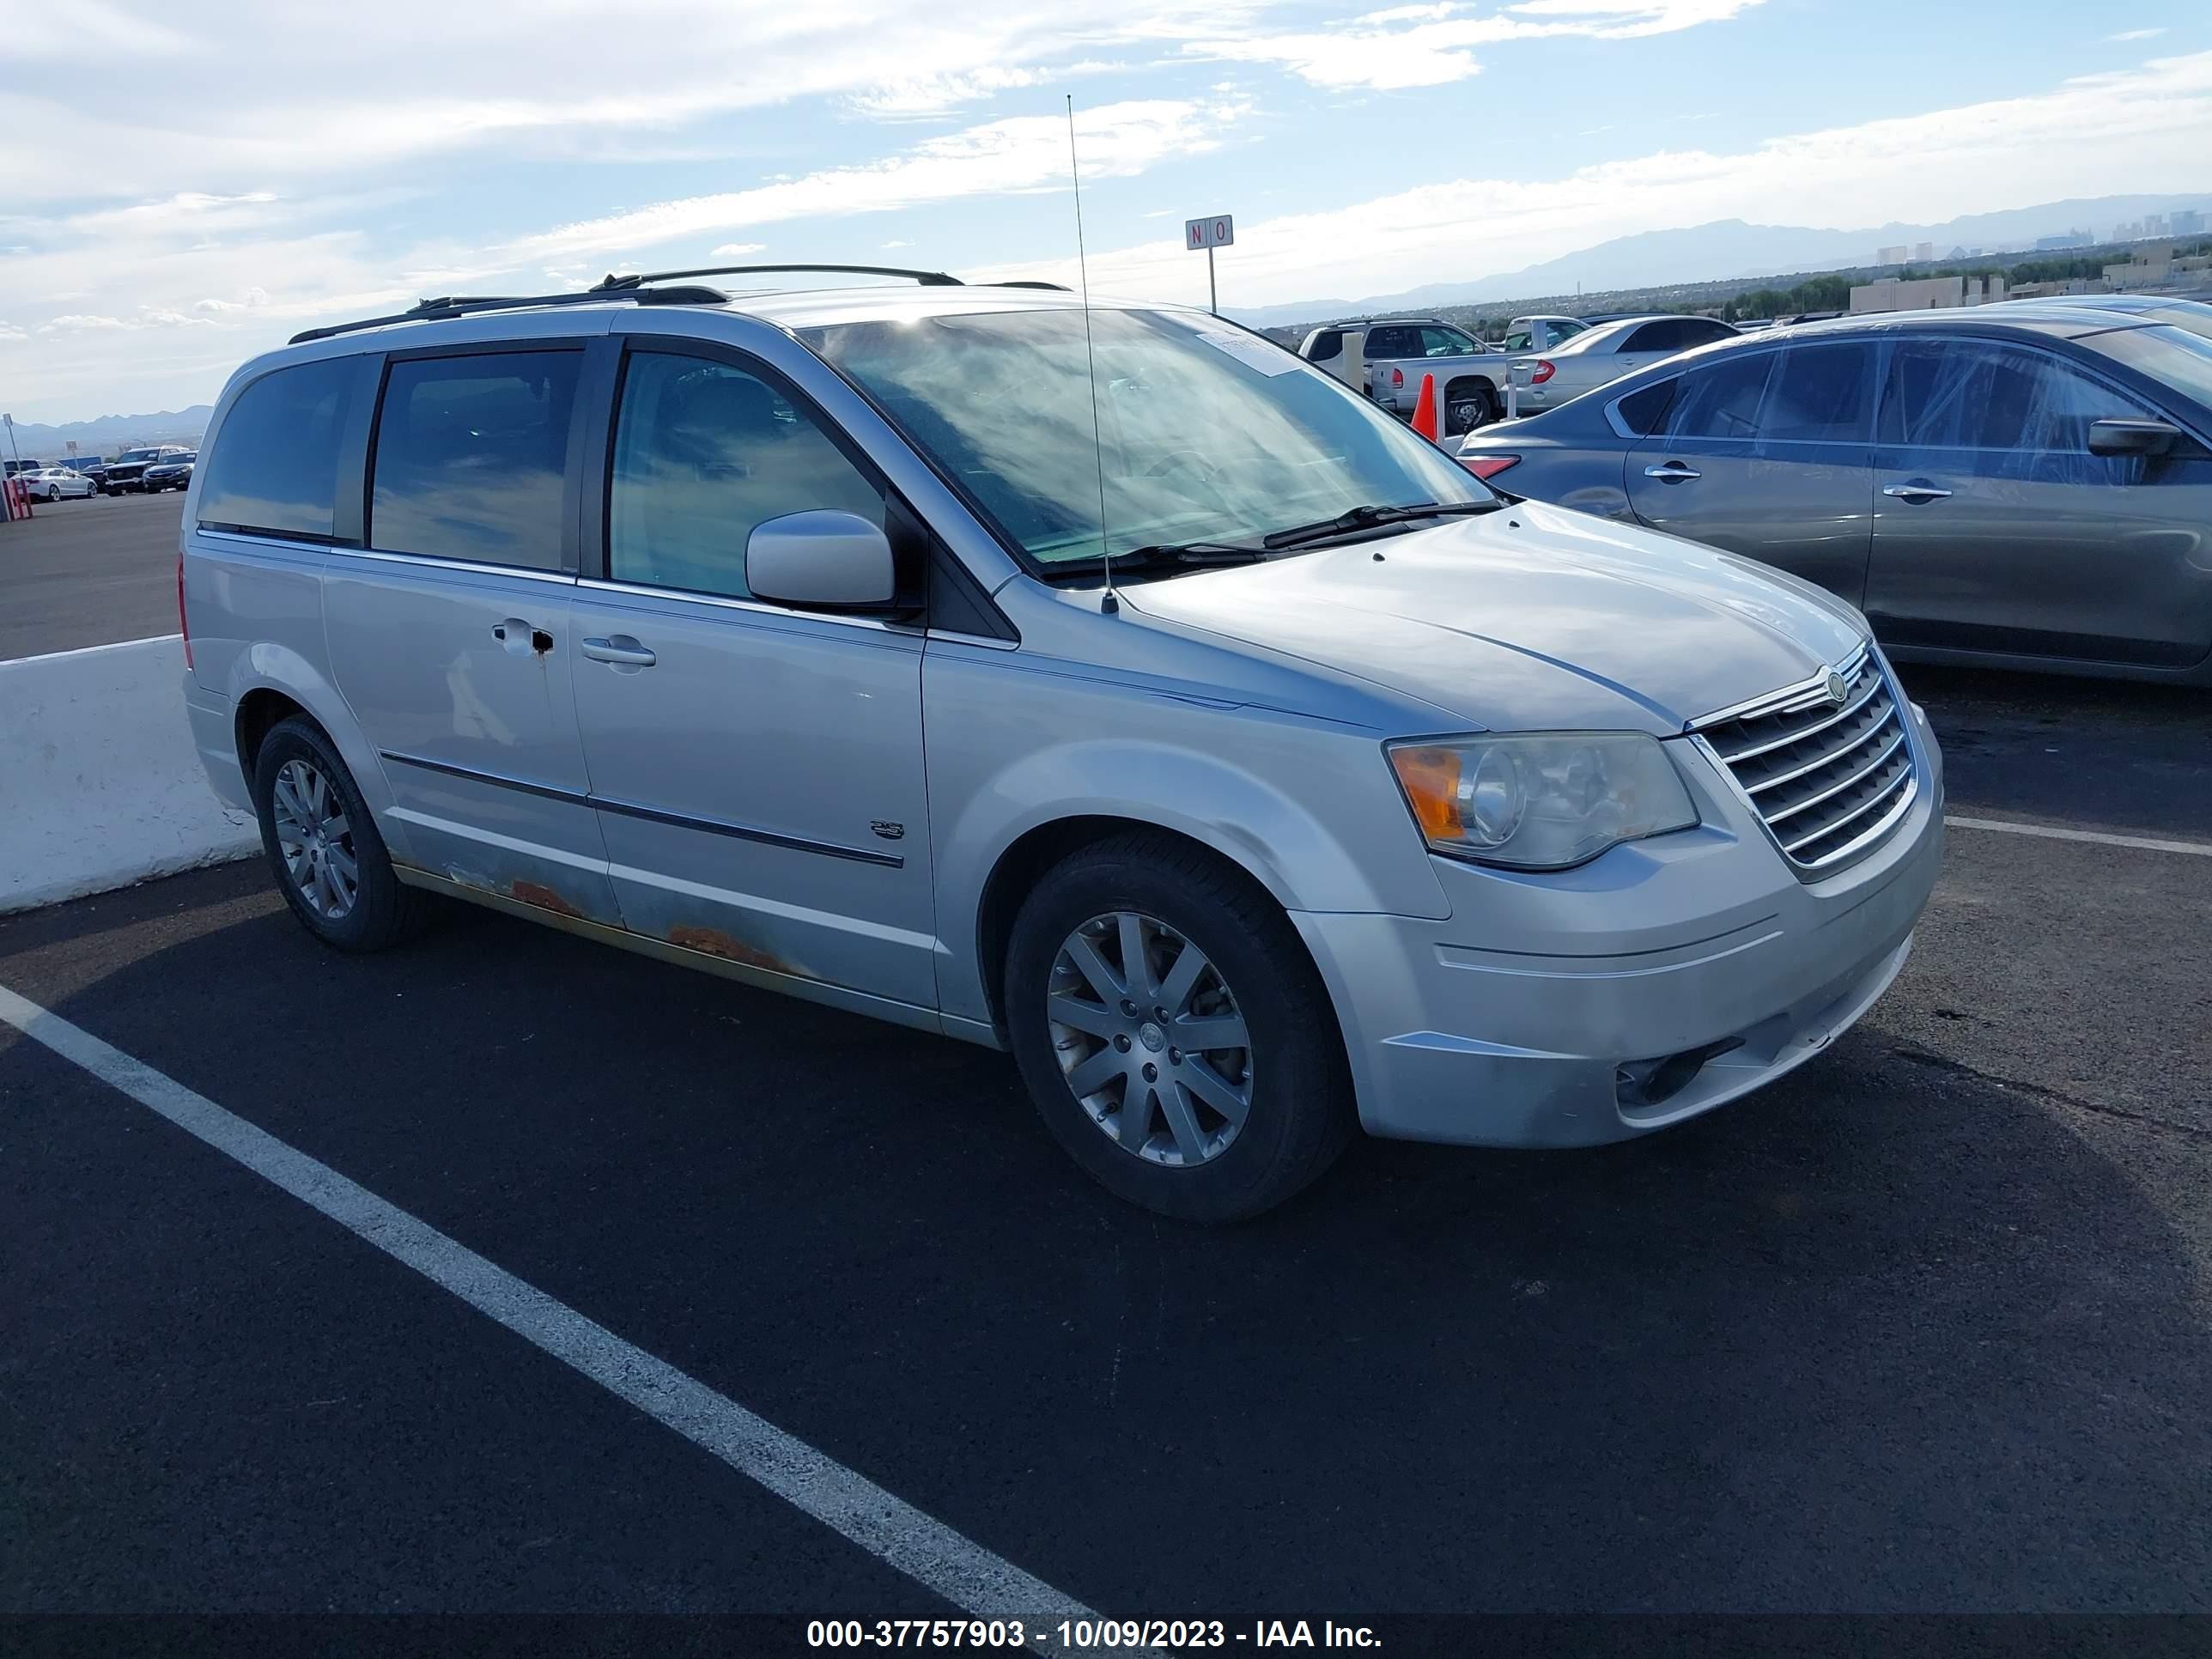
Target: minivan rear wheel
pixel 1173 1031
pixel 323 846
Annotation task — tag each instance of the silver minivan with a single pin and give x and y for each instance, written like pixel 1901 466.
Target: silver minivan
pixel 1101 683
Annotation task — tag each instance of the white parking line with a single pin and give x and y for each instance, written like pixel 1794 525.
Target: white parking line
pixel 2201 850
pixel 928 1551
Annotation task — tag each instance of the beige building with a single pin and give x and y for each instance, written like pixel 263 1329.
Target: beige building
pixel 1926 293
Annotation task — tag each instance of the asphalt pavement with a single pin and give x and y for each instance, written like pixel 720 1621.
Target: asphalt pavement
pixel 89 572
pixel 1923 1328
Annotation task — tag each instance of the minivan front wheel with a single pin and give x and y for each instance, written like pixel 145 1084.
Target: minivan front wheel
pixel 323 846
pixel 1173 1031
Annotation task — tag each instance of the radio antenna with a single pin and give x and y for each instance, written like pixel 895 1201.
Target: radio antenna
pixel 1112 602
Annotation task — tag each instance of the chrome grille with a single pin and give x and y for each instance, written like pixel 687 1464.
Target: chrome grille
pixel 1827 779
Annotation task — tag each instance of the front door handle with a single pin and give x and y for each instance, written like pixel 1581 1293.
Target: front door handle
pixel 1917 491
pixel 1672 472
pixel 620 648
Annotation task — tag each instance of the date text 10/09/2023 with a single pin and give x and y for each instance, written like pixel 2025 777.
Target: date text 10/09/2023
pixel 1086 1635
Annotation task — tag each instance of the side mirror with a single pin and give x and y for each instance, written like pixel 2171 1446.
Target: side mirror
pixel 821 561
pixel 2118 437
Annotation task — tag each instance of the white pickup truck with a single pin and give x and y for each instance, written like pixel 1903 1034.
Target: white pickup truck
pixel 1390 354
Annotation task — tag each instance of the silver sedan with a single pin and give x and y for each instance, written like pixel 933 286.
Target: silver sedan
pixel 1606 352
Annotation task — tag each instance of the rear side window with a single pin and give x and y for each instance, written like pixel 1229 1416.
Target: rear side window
pixel 1722 400
pixel 471 457
pixel 1820 396
pixel 1393 340
pixel 273 468
pixel 1641 411
pixel 1328 345
pixel 704 454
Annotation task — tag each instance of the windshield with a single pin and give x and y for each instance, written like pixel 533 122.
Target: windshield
pixel 139 454
pixel 1206 432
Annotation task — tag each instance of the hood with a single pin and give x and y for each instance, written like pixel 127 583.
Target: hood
pixel 1533 619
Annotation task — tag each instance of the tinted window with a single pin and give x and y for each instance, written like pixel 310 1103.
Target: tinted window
pixel 2173 356
pixel 1445 343
pixel 1393 340
pixel 1328 346
pixel 1819 395
pixel 1677 334
pixel 1642 412
pixel 703 453
pixel 274 466
pixel 1721 400
pixel 1981 394
pixel 471 457
pixel 1519 339
pixel 1652 336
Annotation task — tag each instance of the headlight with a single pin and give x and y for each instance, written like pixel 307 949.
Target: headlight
pixel 1540 802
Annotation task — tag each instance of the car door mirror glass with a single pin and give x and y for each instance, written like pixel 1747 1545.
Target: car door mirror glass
pixel 821 560
pixel 2121 436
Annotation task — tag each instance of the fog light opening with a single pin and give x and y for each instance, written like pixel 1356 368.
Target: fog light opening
pixel 1644 1083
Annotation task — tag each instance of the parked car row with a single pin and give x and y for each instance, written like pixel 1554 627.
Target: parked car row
pixel 149 469
pixel 2027 483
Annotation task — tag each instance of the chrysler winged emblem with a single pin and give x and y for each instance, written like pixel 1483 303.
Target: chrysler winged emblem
pixel 1838 689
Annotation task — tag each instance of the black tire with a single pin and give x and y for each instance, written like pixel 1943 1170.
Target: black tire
pixel 1302 1113
pixel 384 913
pixel 1470 407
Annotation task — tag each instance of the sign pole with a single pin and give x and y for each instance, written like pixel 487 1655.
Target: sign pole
pixel 1210 233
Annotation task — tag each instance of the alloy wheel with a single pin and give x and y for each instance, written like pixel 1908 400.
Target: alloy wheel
pixel 316 840
pixel 1150 1039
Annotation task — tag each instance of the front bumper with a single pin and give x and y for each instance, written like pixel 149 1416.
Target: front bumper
pixel 1539 1013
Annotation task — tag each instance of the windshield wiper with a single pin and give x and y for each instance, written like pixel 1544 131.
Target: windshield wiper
pixel 1370 516
pixel 1154 555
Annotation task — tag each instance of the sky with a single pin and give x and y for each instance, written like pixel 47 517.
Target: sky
pixel 181 188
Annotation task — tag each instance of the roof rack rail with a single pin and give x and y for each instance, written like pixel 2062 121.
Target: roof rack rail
pixel 612 283
pixel 462 305
pixel 1023 282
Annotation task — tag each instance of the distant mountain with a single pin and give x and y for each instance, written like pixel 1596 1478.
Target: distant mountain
pixel 1729 248
pixel 110 433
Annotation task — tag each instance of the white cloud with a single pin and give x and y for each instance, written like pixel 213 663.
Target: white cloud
pixel 12 334
pixel 1021 152
pixel 897 242
pixel 2152 125
pixel 1427 45
pixel 77 323
pixel 147 317
pixel 2136 34
pixel 248 300
pixel 562 77
pixel 738 250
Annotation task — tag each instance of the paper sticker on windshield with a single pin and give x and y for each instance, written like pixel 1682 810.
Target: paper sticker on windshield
pixel 1253 354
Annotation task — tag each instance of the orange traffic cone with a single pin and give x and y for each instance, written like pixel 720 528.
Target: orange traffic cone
pixel 1425 409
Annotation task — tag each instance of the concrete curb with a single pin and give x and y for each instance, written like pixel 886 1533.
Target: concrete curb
pixel 100 784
